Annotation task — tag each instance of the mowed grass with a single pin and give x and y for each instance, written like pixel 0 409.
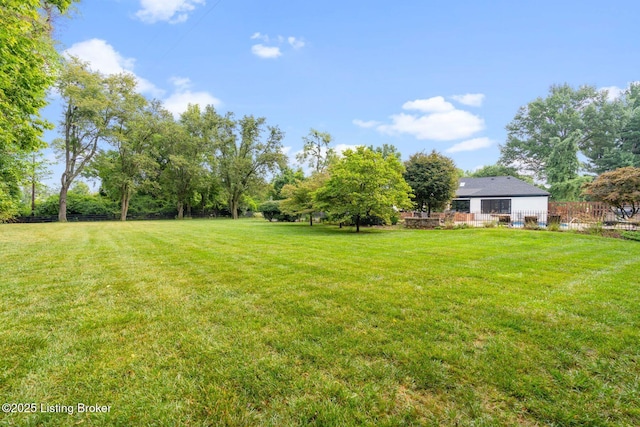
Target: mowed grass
pixel 220 322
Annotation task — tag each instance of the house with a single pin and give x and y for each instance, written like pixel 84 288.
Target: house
pixel 503 198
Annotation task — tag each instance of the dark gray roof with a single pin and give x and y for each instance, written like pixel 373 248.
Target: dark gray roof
pixel 497 186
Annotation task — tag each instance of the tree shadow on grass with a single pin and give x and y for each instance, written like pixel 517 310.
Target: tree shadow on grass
pixel 300 228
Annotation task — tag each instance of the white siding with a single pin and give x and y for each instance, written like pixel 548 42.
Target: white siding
pixel 520 207
pixel 531 204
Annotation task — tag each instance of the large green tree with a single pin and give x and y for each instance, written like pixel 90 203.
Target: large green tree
pixel 583 116
pixel 28 63
pixel 622 146
pixel 186 147
pixel 433 179
pixel 363 183
pixel 246 150
pixel 94 106
pixel 131 162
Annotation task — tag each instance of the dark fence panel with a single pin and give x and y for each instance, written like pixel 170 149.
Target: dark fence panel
pixel 107 217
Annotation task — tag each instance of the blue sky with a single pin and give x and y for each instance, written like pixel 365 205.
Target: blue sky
pixel 420 75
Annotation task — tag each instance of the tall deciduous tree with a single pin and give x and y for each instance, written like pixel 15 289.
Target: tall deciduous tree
pixel 245 154
pixel 364 183
pixel 92 105
pixel 622 147
pixel 28 62
pixel 433 178
pixel 186 153
pixel 132 161
pixel 619 188
pixel 582 115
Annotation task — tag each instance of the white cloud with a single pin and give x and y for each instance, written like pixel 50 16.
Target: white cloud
pixel 341 148
pixel 363 124
pixel 286 150
pixel 263 50
pixel 470 99
pixel 295 43
pixel 181 83
pixel 434 119
pixel 447 126
pixel 260 36
pixel 613 92
pixel 437 104
pixel 471 145
pixel 178 101
pixel 266 51
pixel 172 11
pixel 103 58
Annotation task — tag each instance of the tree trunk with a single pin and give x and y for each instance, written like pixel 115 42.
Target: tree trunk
pixel 357 223
pixel 62 209
pixel 311 219
pixel 124 206
pixel 234 208
pixel 180 210
pixel 33 196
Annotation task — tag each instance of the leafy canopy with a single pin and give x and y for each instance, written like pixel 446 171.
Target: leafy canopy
pixel 28 64
pixel 580 115
pixel 433 178
pixel 619 188
pixel 364 183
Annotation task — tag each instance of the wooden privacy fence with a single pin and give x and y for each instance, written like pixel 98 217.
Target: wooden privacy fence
pixel 582 211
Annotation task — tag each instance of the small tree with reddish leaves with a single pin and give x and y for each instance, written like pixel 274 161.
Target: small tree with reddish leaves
pixel 619 188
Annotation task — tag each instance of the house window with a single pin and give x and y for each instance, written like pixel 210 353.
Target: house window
pixel 497 206
pixel 461 206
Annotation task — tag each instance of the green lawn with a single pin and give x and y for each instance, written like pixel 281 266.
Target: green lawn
pixel 220 322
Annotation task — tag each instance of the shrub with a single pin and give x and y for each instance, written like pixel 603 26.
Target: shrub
pixel 596 229
pixel 78 204
pixel 270 209
pixel 553 226
pixel 142 204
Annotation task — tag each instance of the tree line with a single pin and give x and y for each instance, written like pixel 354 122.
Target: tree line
pixel 210 162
